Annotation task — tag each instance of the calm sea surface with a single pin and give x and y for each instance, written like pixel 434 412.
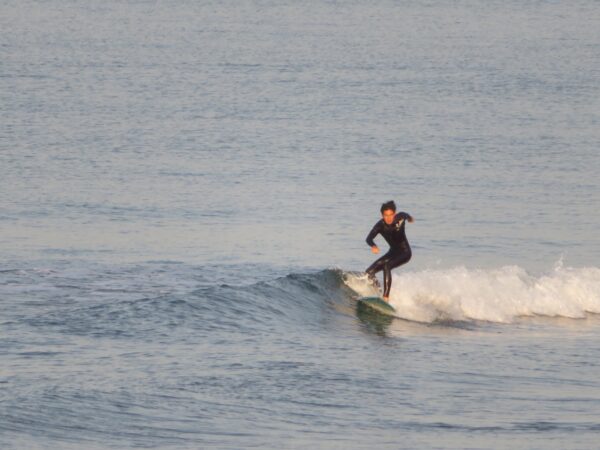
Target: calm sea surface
pixel 185 190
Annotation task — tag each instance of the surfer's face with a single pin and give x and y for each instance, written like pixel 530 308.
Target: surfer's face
pixel 388 216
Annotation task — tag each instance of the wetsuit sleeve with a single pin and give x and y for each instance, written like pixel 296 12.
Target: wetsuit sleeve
pixel 404 215
pixel 374 232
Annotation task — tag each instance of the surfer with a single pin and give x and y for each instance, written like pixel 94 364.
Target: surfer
pixel 391 227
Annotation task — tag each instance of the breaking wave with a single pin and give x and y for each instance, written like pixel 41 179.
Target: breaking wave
pixel 495 295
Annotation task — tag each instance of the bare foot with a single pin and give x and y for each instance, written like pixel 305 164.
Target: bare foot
pixel 387 299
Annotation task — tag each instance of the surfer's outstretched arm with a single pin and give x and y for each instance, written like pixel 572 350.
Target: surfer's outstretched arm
pixel 406 216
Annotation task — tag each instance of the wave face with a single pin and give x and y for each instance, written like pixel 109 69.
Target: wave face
pixel 151 302
pixel 496 295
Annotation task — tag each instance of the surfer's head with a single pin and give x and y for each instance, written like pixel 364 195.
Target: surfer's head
pixel 388 211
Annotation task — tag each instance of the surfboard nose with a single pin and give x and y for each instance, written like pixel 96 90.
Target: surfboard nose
pixel 378 305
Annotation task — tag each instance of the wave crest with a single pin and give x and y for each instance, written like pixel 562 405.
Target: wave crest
pixel 496 295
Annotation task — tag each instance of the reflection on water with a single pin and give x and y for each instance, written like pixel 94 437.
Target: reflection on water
pixel 373 320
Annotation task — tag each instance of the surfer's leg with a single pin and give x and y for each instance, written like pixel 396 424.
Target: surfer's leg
pixel 395 260
pixel 387 281
pixel 377 266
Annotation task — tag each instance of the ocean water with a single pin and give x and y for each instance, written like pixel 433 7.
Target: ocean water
pixel 185 190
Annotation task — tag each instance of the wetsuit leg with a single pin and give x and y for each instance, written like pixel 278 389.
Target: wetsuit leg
pixel 386 263
pixel 377 266
pixel 396 259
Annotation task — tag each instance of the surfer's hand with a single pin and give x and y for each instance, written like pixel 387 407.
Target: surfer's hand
pixel 375 249
pixel 411 219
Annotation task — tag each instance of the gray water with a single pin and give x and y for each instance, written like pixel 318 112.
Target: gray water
pixel 185 189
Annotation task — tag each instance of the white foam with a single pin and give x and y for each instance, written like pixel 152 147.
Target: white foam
pixel 497 295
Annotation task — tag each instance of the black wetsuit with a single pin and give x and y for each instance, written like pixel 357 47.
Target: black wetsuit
pixel 398 254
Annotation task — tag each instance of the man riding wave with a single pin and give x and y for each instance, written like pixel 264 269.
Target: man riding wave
pixel 391 227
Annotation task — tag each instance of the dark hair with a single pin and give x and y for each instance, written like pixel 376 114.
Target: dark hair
pixel 388 205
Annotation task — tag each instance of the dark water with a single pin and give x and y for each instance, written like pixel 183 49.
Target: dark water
pixel 185 189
